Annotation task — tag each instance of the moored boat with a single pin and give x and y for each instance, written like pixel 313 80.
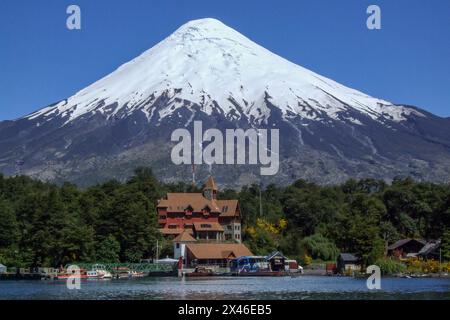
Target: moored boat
pixel 99 272
pixel 137 274
pixel 201 272
pixel 64 274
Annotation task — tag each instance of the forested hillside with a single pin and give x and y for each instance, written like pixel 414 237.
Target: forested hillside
pixel 43 224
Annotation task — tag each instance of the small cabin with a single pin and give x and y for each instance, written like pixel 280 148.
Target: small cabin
pixel 3 268
pixel 405 248
pixel 347 262
pixel 276 261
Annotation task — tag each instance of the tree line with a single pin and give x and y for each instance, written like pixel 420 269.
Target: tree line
pixel 43 224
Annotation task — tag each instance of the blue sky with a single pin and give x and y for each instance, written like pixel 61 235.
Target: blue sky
pixel 407 61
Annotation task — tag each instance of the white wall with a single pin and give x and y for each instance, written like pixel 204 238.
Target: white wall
pixel 180 251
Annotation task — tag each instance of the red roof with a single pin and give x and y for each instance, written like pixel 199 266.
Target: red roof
pixel 218 250
pixel 184 237
pixel 179 202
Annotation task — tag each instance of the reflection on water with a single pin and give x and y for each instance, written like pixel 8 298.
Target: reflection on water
pixel 305 287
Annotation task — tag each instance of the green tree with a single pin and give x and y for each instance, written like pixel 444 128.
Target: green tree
pixel 445 245
pixel 9 232
pixel 319 247
pixel 108 250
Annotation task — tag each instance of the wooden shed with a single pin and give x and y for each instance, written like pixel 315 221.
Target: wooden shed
pixel 348 262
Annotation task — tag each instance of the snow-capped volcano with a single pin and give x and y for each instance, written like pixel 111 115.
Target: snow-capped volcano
pixel 207 71
pixel 206 63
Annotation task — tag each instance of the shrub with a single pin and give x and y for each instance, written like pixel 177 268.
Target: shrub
pixel 389 266
pixel 306 260
pixel 320 247
pixel 446 267
pixel 416 265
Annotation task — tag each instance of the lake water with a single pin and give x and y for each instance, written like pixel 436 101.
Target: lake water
pixel 304 287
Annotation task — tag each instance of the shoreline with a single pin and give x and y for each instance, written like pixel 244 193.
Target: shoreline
pixel 306 274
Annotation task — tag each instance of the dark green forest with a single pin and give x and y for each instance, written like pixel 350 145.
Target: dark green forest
pixel 42 224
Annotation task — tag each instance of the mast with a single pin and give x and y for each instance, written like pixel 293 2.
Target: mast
pixel 260 202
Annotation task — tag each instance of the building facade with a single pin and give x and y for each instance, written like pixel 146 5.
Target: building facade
pixel 201 214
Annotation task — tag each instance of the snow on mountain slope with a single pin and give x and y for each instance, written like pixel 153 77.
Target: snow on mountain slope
pixel 209 64
pixel 206 71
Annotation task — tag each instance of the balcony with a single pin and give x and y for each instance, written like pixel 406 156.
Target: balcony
pixel 162 220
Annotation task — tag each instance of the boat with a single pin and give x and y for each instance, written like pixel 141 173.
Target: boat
pixel 99 272
pixel 201 272
pixel 64 274
pixel 92 274
pixel 136 274
pixel 121 273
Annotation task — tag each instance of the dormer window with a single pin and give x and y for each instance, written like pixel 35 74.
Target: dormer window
pixel 206 210
pixel 188 210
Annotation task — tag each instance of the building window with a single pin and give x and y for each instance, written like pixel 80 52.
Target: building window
pixel 163 217
pixel 178 246
pixel 229 227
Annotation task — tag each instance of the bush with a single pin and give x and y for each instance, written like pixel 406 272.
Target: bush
pixel 306 260
pixel 320 247
pixel 429 266
pixel 446 267
pixel 389 266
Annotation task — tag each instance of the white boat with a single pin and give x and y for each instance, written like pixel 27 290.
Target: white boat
pixel 105 274
pixel 136 274
pixel 99 272
pixel 92 274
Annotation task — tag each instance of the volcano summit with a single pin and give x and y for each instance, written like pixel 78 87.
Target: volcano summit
pixel 206 71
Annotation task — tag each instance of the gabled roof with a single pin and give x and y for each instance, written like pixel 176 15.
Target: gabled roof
pixel 218 250
pixel 348 257
pixel 429 248
pixel 228 208
pixel 185 236
pixel 170 231
pixel 178 202
pixel 274 254
pixel 207 226
pixel 402 242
